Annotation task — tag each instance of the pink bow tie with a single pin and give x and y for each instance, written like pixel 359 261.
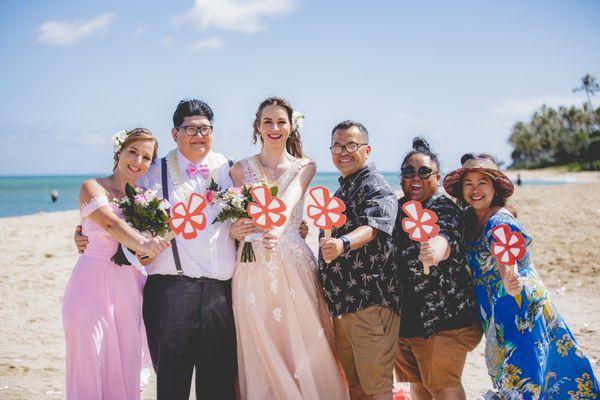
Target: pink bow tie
pixel 201 169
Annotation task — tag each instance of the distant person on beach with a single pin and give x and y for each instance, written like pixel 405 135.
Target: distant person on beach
pixel 519 182
pixel 54 195
pixel 102 304
pixel 360 286
pixel 439 324
pixel 530 352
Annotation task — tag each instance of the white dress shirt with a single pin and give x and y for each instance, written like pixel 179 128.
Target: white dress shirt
pixel 212 253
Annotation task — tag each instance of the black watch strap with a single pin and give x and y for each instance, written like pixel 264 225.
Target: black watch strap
pixel 346 242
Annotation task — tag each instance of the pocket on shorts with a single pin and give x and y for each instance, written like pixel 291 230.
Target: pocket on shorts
pixel 468 337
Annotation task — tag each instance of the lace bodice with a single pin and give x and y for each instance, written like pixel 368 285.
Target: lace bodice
pixel 253 174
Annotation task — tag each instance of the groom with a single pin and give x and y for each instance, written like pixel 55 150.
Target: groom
pixel 187 296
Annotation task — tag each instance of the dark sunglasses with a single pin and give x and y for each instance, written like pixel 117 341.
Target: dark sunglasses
pixel 410 172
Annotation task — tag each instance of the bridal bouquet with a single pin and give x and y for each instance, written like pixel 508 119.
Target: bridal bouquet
pixel 143 210
pixel 234 204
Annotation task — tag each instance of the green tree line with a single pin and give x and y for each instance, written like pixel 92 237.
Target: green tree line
pixel 560 136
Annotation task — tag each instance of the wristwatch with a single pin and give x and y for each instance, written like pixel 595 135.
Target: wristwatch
pixel 346 242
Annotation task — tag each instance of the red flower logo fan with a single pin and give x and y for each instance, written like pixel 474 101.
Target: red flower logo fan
pixel 266 210
pixel 187 220
pixel 327 212
pixel 420 223
pixel 508 247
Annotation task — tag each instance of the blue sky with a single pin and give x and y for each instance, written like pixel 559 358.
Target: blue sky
pixel 458 73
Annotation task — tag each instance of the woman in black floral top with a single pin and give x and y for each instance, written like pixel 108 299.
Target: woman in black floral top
pixel 438 321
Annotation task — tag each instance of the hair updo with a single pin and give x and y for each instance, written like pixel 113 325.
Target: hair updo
pixel 420 146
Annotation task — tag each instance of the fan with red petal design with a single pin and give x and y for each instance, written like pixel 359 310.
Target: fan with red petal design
pixel 266 210
pixel 508 248
pixel 327 212
pixel 420 225
pixel 187 220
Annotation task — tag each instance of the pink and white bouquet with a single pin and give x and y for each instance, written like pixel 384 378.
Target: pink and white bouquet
pixel 145 211
pixel 234 203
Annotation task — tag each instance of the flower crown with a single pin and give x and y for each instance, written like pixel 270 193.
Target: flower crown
pixel 297 121
pixel 118 139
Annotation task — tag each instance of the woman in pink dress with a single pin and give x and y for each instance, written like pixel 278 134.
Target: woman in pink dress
pixel 283 329
pixel 102 306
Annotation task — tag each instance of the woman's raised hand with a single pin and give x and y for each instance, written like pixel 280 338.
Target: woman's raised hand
pixel 513 284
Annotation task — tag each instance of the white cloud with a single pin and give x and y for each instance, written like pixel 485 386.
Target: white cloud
pixel 521 108
pixel 67 33
pixel 213 42
pixel 139 32
pixel 166 41
pixel 234 15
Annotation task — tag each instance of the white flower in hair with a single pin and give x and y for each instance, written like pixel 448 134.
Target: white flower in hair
pixel 118 139
pixel 297 121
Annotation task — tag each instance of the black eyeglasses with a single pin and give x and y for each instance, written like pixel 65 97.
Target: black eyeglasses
pixel 350 147
pixel 205 130
pixel 410 172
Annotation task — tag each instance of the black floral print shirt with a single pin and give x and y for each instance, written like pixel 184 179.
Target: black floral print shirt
pixel 444 299
pixel 363 277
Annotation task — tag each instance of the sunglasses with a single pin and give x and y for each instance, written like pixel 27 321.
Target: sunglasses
pixel 410 172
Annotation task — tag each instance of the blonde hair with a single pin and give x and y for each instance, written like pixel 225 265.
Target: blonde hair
pixel 136 135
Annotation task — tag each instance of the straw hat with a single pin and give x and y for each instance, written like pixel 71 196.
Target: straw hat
pixel 483 164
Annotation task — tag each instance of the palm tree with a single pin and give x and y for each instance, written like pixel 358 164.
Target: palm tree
pixel 590 86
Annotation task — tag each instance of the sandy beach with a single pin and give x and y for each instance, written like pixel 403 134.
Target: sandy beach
pixel 37 255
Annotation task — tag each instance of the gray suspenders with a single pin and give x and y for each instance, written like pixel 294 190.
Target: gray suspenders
pixel 165 192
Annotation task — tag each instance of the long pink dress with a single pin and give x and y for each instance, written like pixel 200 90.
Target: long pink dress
pixel 282 323
pixel 102 318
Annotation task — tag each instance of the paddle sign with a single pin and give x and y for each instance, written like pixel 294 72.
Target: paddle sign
pixel 508 248
pixel 187 220
pixel 266 211
pixel 327 212
pixel 420 224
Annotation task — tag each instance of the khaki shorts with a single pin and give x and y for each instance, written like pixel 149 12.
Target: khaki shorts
pixel 436 362
pixel 365 341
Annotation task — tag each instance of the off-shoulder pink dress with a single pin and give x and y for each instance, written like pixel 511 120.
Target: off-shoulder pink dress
pixel 107 353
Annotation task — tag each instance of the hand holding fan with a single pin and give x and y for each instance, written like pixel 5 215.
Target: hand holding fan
pixel 266 211
pixel 508 248
pixel 327 212
pixel 420 224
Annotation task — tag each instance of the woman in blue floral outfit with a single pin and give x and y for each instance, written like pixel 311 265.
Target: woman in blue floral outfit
pixel 530 351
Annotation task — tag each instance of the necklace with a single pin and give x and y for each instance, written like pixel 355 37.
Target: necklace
pixel 271 177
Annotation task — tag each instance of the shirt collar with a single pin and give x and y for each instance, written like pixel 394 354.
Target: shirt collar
pixel 366 170
pixel 184 162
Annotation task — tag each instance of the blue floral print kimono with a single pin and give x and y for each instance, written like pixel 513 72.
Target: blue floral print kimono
pixel 530 351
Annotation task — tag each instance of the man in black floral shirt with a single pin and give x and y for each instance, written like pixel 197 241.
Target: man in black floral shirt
pixel 360 286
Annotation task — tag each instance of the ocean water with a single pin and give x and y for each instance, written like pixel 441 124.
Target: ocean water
pixel 23 195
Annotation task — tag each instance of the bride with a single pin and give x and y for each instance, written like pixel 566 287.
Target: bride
pixel 283 329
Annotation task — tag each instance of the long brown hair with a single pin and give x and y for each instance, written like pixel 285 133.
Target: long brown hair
pixel 293 144
pixel 136 135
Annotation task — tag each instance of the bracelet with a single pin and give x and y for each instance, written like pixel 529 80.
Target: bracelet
pixel 347 245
